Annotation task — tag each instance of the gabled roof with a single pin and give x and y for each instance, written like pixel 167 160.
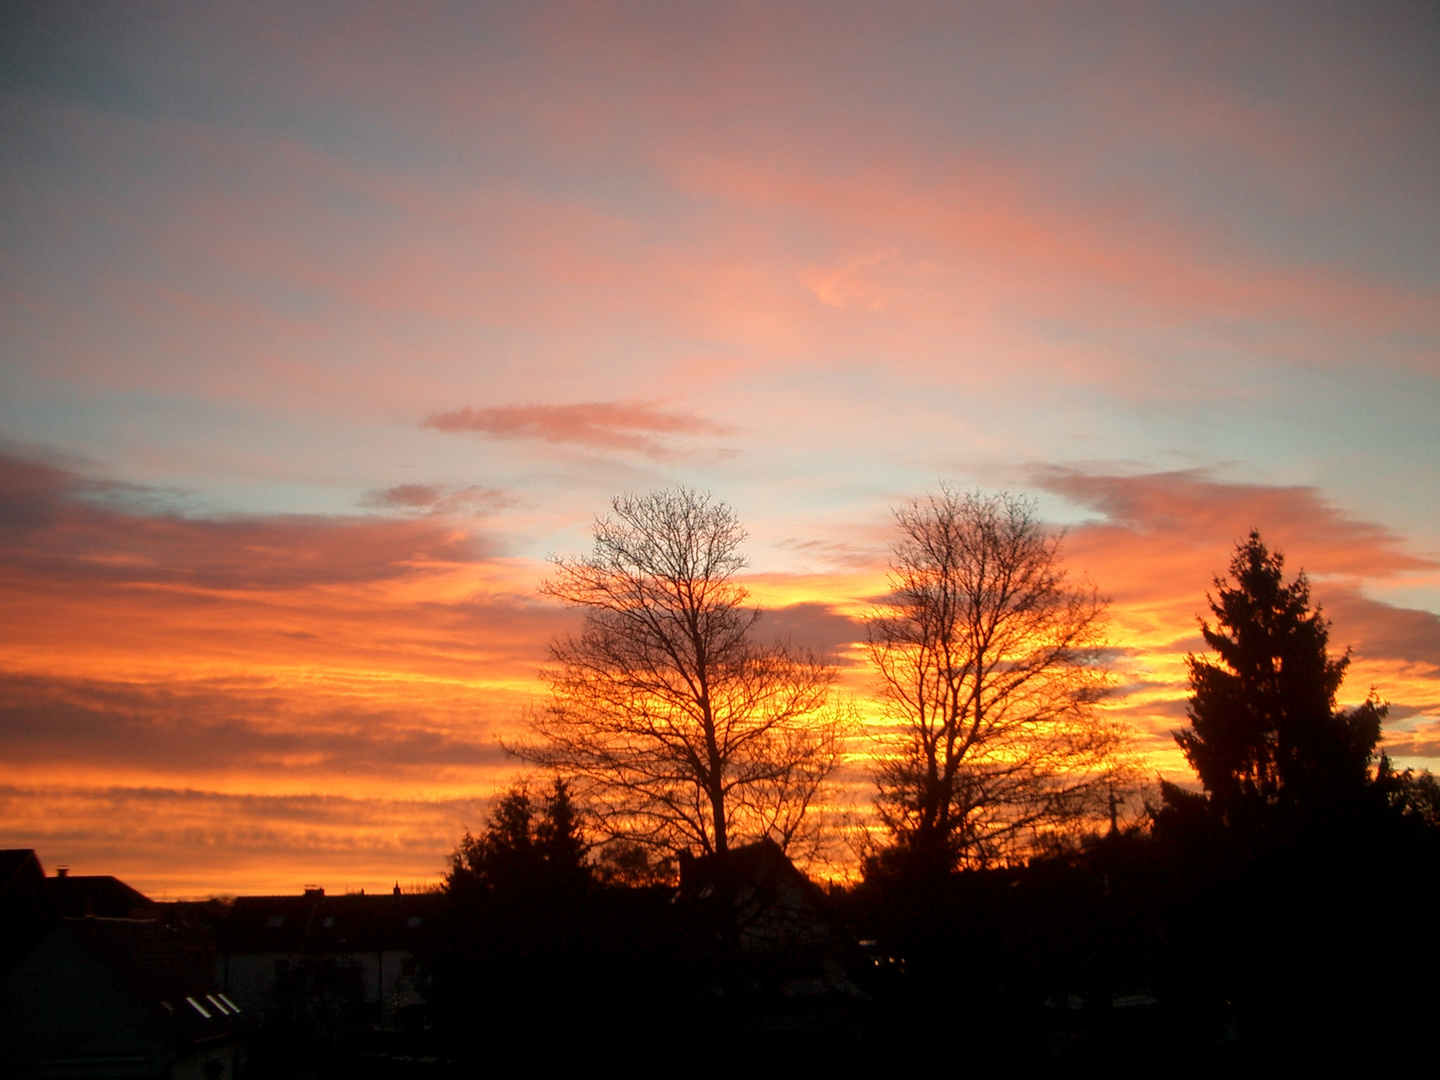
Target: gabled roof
pixel 759 865
pixel 16 864
pixel 772 905
pixel 101 895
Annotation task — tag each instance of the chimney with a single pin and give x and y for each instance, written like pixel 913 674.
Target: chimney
pixel 62 871
pixel 314 892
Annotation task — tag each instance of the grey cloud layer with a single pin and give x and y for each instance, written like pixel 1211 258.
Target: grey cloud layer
pixel 194 728
pixel 56 522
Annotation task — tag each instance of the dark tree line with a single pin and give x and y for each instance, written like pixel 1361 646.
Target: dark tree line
pixel 551 946
pixel 1241 924
pixel 524 848
pixel 1265 737
pixel 679 727
pixel 1253 923
pixel 1304 843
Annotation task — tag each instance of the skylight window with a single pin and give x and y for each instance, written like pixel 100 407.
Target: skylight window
pixel 198 1007
pixel 275 921
pixel 223 1010
pixel 225 998
pixel 329 921
pixel 414 920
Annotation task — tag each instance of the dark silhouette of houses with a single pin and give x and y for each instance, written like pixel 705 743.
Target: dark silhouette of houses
pixel 26 908
pixel 775 933
pixel 352 956
pixel 104 996
pixel 76 896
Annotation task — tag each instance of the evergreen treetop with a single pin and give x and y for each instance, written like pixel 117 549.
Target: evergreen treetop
pixel 1264 731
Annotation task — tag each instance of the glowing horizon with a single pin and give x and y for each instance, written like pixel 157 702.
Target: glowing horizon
pixel 323 329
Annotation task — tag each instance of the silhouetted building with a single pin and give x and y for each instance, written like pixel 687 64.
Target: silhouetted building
pixel 99 894
pixel 352 955
pixel 104 993
pixel 116 998
pixel 790 950
pixel 26 908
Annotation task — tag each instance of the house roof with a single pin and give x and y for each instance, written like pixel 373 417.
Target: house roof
pixel 26 910
pixel 761 865
pixel 101 895
pixel 319 923
pixel 772 905
pixel 154 965
pixel 15 864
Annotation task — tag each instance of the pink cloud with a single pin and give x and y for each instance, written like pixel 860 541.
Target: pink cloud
pixel 1188 511
pixel 601 425
pixel 1161 540
pixel 1376 629
pixel 59 523
pixel 438 498
pixel 407 496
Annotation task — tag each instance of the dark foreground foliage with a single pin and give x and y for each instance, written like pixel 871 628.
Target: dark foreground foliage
pixel 1261 951
pixel 542 949
pixel 1256 953
pixel 1268 924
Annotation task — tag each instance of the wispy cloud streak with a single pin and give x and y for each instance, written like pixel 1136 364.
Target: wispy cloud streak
pixel 596 425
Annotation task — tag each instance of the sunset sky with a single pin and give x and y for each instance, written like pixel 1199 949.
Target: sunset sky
pixel 324 325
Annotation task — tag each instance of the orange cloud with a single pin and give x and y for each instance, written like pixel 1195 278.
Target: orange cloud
pixel 365 657
pixel 251 702
pixel 177 842
pixel 1161 540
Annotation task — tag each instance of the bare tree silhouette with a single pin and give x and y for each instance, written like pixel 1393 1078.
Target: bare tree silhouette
pixel 990 669
pixel 673 723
